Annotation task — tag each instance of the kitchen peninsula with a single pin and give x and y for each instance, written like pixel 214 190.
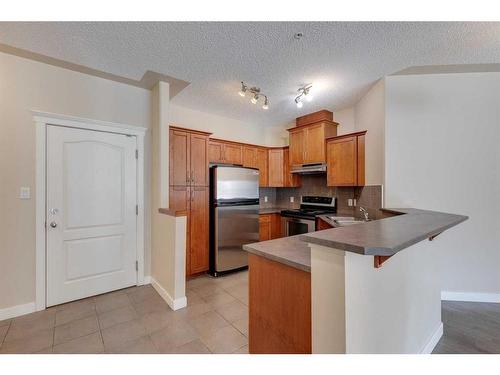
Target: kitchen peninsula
pixel 364 288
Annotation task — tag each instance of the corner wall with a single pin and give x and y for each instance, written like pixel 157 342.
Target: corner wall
pixel 442 153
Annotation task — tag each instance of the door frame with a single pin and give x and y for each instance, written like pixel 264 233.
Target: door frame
pixel 44 119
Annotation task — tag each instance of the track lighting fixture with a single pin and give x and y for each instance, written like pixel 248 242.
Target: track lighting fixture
pixel 266 104
pixel 304 93
pixel 256 95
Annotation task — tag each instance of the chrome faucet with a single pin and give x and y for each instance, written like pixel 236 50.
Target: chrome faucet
pixel 365 213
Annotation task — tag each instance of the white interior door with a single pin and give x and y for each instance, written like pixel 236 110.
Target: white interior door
pixel 91 213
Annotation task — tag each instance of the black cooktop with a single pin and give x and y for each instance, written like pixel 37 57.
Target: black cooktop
pixel 312 206
pixel 305 213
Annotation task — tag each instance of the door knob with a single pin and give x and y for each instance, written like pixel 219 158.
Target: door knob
pixel 53 224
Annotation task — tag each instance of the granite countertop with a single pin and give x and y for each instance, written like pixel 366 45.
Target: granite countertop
pixel 291 251
pixel 386 236
pixel 379 237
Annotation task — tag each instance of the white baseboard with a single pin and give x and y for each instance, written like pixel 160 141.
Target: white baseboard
pixel 431 344
pixel 470 297
pixel 175 304
pixel 14 311
pixel 147 280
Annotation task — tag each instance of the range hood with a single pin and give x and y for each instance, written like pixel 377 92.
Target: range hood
pixel 309 168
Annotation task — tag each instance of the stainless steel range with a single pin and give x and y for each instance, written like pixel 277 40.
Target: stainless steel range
pixel 303 219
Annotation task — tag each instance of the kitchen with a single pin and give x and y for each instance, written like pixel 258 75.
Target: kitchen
pixel 224 202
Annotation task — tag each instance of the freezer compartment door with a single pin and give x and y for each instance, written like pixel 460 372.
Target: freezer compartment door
pixel 235 183
pixel 235 226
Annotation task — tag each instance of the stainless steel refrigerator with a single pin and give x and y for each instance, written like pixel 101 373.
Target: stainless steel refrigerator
pixel 234 216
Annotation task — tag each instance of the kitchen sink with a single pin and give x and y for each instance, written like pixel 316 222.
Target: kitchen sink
pixel 344 221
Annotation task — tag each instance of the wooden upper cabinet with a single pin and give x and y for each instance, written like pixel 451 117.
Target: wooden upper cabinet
pixel 346 160
pixel 289 179
pixel 250 156
pixel 199 160
pixel 188 157
pixel 279 169
pixel 297 141
pixel 263 165
pixel 215 152
pixel 225 152
pixel 315 144
pixel 307 143
pixel 276 167
pixel 179 158
pixel 233 153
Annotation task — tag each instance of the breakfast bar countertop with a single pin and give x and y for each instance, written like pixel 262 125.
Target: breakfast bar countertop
pixel 387 236
pixel 383 237
pixel 291 251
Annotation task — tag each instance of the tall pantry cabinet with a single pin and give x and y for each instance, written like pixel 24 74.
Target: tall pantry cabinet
pixel 189 189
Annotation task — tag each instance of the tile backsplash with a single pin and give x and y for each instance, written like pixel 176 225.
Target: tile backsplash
pixel 369 197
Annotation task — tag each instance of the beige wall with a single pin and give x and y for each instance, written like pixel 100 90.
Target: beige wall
pixel 369 114
pixel 221 127
pixel 442 154
pixel 26 85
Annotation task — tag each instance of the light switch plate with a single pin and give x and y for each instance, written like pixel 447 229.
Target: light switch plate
pixel 355 202
pixel 24 192
pixel 292 199
pixel 349 202
pixel 265 199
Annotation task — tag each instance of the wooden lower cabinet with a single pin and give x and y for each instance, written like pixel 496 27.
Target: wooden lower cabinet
pixel 279 308
pixel 322 225
pixel 194 199
pixel 270 226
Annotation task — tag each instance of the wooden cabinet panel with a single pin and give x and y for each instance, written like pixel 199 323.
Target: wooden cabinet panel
pixel 346 160
pixel 276 168
pixel 280 308
pixel 290 179
pixel 264 227
pixel 179 198
pixel 215 152
pixel 314 144
pixel 262 164
pixel 233 153
pixel 342 163
pixel 198 229
pixel 276 230
pixel 199 160
pixel 250 156
pixel 322 225
pixel 297 146
pixel 270 227
pixel 361 160
pixel 179 158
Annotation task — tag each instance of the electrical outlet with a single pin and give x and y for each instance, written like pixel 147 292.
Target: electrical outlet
pixel 355 202
pixel 349 202
pixel 24 192
pixel 265 198
pixel 292 199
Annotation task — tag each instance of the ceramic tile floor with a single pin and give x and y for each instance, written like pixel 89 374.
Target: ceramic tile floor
pixel 137 320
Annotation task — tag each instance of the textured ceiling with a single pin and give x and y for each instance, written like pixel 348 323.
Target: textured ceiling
pixel 341 59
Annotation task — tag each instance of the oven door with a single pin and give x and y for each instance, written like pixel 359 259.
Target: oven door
pixel 293 226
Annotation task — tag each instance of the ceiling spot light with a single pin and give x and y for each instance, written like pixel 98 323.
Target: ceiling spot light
pixel 298 36
pixel 304 93
pixel 256 95
pixel 243 90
